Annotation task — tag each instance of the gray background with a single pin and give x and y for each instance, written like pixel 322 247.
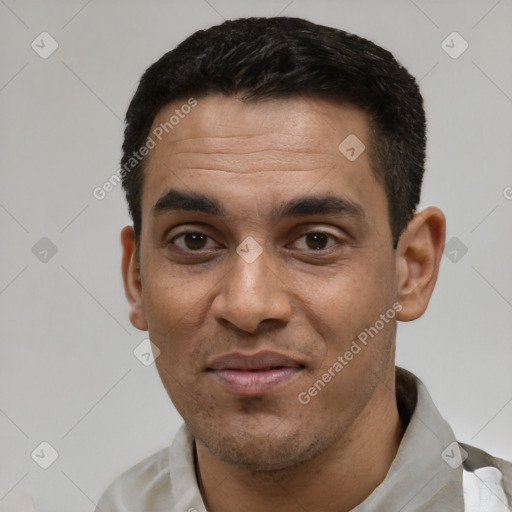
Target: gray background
pixel 68 374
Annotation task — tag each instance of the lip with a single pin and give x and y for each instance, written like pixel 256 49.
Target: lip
pixel 254 374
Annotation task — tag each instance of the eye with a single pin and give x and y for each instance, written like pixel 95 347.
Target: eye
pixel 192 241
pixel 318 240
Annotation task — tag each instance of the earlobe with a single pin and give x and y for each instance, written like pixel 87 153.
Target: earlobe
pixel 418 254
pixel 131 279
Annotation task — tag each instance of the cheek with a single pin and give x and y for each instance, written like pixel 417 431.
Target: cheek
pixel 174 308
pixel 169 295
pixel 349 308
pixel 349 299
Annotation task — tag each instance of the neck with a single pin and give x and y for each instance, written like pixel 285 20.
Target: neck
pixel 337 480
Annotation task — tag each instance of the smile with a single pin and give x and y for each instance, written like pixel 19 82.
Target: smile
pixel 253 375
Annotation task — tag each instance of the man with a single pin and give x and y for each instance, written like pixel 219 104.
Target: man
pixel 272 169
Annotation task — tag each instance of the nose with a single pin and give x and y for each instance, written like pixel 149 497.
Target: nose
pixel 251 294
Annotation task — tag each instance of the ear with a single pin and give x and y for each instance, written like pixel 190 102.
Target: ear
pixel 131 279
pixel 418 257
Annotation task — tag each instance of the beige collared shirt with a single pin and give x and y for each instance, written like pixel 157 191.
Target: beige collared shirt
pixel 426 475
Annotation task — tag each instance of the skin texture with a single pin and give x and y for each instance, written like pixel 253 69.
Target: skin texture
pixel 202 300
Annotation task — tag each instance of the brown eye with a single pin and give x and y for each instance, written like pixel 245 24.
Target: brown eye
pixel 316 241
pixel 195 241
pixel 191 240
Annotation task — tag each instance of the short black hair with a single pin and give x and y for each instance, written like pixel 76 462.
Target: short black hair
pixel 281 57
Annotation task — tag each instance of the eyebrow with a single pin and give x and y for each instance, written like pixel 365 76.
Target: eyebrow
pixel 176 200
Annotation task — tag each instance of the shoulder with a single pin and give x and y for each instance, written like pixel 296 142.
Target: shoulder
pixel 487 481
pixel 140 487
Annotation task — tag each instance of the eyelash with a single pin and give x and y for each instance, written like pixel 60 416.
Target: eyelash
pixel 314 251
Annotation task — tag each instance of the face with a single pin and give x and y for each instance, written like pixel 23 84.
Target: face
pixel 264 253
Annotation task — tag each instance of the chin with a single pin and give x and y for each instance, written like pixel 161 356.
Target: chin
pixel 262 449
pixel 256 454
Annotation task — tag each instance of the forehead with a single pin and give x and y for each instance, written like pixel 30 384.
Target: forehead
pixel 295 124
pixel 271 148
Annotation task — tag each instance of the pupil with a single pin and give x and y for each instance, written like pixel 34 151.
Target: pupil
pixel 195 240
pixel 318 239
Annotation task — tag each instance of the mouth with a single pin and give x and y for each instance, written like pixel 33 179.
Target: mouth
pixel 256 374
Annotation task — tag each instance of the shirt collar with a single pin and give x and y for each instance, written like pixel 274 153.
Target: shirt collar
pixel 426 473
